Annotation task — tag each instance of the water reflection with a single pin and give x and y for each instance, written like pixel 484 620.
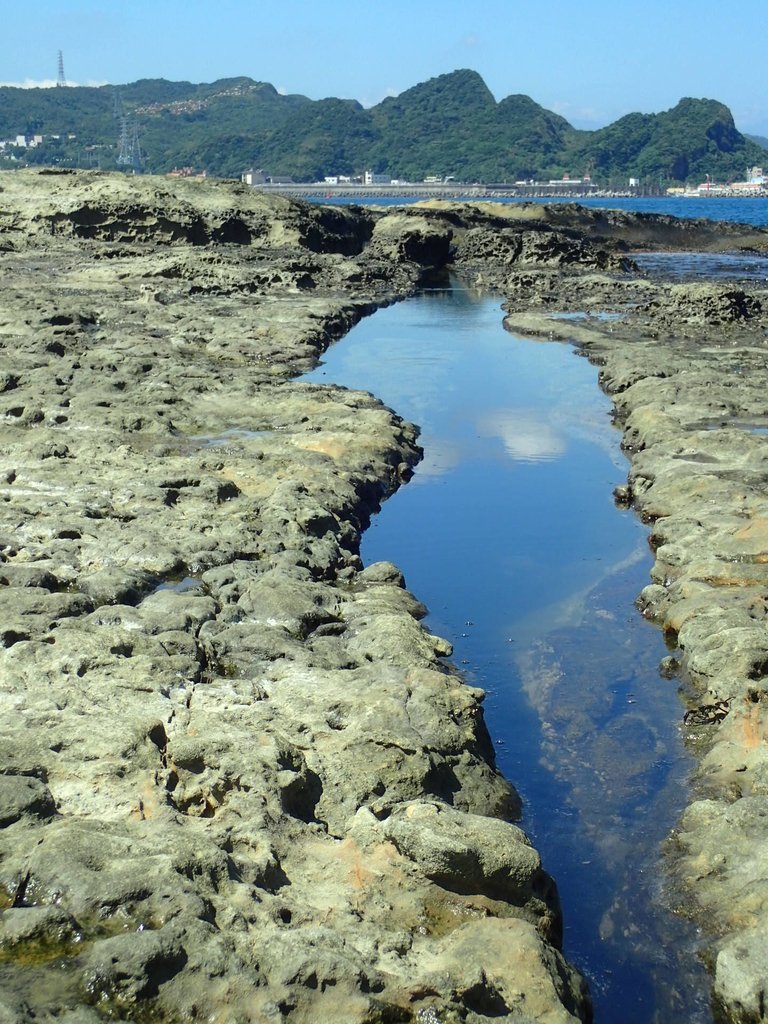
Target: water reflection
pixel 509 534
pixel 526 436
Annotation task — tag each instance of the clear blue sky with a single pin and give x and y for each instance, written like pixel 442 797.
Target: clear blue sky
pixel 590 60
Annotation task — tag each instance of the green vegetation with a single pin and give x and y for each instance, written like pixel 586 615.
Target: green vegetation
pixel 694 139
pixel 448 126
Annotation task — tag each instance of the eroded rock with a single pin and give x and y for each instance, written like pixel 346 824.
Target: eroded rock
pixel 213 716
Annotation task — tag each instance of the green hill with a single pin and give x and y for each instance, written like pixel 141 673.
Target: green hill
pixel 448 126
pixel 693 139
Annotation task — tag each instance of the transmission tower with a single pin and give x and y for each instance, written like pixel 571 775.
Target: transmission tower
pixel 61 80
pixel 128 145
pixel 129 148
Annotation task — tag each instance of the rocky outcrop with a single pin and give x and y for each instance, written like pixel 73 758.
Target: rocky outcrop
pixel 238 778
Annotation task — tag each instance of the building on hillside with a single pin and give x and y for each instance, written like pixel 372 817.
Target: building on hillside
pixel 258 177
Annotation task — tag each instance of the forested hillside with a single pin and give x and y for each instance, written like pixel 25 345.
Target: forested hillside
pixel 449 126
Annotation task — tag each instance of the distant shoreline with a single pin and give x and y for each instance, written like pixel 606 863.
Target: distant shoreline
pixel 451 191
pixel 493 191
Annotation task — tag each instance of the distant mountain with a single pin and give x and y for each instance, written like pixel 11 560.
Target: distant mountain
pixel 693 139
pixel 449 125
pixel 759 140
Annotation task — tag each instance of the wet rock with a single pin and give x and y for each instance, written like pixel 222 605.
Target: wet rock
pixel 25 926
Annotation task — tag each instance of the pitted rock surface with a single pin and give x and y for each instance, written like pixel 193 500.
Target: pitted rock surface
pixel 213 716
pixel 238 779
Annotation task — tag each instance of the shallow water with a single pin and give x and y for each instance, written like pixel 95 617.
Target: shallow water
pixel 704 266
pixel 748 210
pixel 509 533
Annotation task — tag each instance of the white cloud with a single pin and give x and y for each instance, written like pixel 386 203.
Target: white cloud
pixel 389 91
pixel 49 83
pixel 29 83
pixel 584 116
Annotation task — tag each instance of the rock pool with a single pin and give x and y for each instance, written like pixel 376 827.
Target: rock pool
pixel 509 533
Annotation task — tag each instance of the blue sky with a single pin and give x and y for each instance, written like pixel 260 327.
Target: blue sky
pixel 590 60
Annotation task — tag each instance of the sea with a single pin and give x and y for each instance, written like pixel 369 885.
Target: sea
pixel 747 210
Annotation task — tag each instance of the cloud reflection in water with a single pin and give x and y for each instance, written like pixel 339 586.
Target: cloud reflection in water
pixel 525 434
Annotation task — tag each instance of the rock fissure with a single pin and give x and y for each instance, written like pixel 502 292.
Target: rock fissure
pixel 698 479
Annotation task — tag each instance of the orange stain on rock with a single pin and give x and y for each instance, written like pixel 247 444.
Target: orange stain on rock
pixel 753 727
pixel 330 446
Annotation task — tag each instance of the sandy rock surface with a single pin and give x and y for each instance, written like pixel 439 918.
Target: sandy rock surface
pixel 238 779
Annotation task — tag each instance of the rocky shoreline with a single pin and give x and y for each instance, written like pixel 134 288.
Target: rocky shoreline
pixel 687 372
pixel 239 781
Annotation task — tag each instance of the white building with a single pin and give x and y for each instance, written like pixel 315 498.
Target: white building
pixel 369 178
pixel 253 177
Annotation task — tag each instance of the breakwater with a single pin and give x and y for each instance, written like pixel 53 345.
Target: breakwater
pixel 458 193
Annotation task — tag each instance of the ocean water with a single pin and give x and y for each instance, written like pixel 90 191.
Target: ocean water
pixel 752 211
pixel 509 534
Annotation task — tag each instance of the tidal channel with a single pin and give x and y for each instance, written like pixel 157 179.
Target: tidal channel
pixel 508 532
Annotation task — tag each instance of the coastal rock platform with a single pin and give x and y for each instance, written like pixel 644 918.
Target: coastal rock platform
pixel 239 781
